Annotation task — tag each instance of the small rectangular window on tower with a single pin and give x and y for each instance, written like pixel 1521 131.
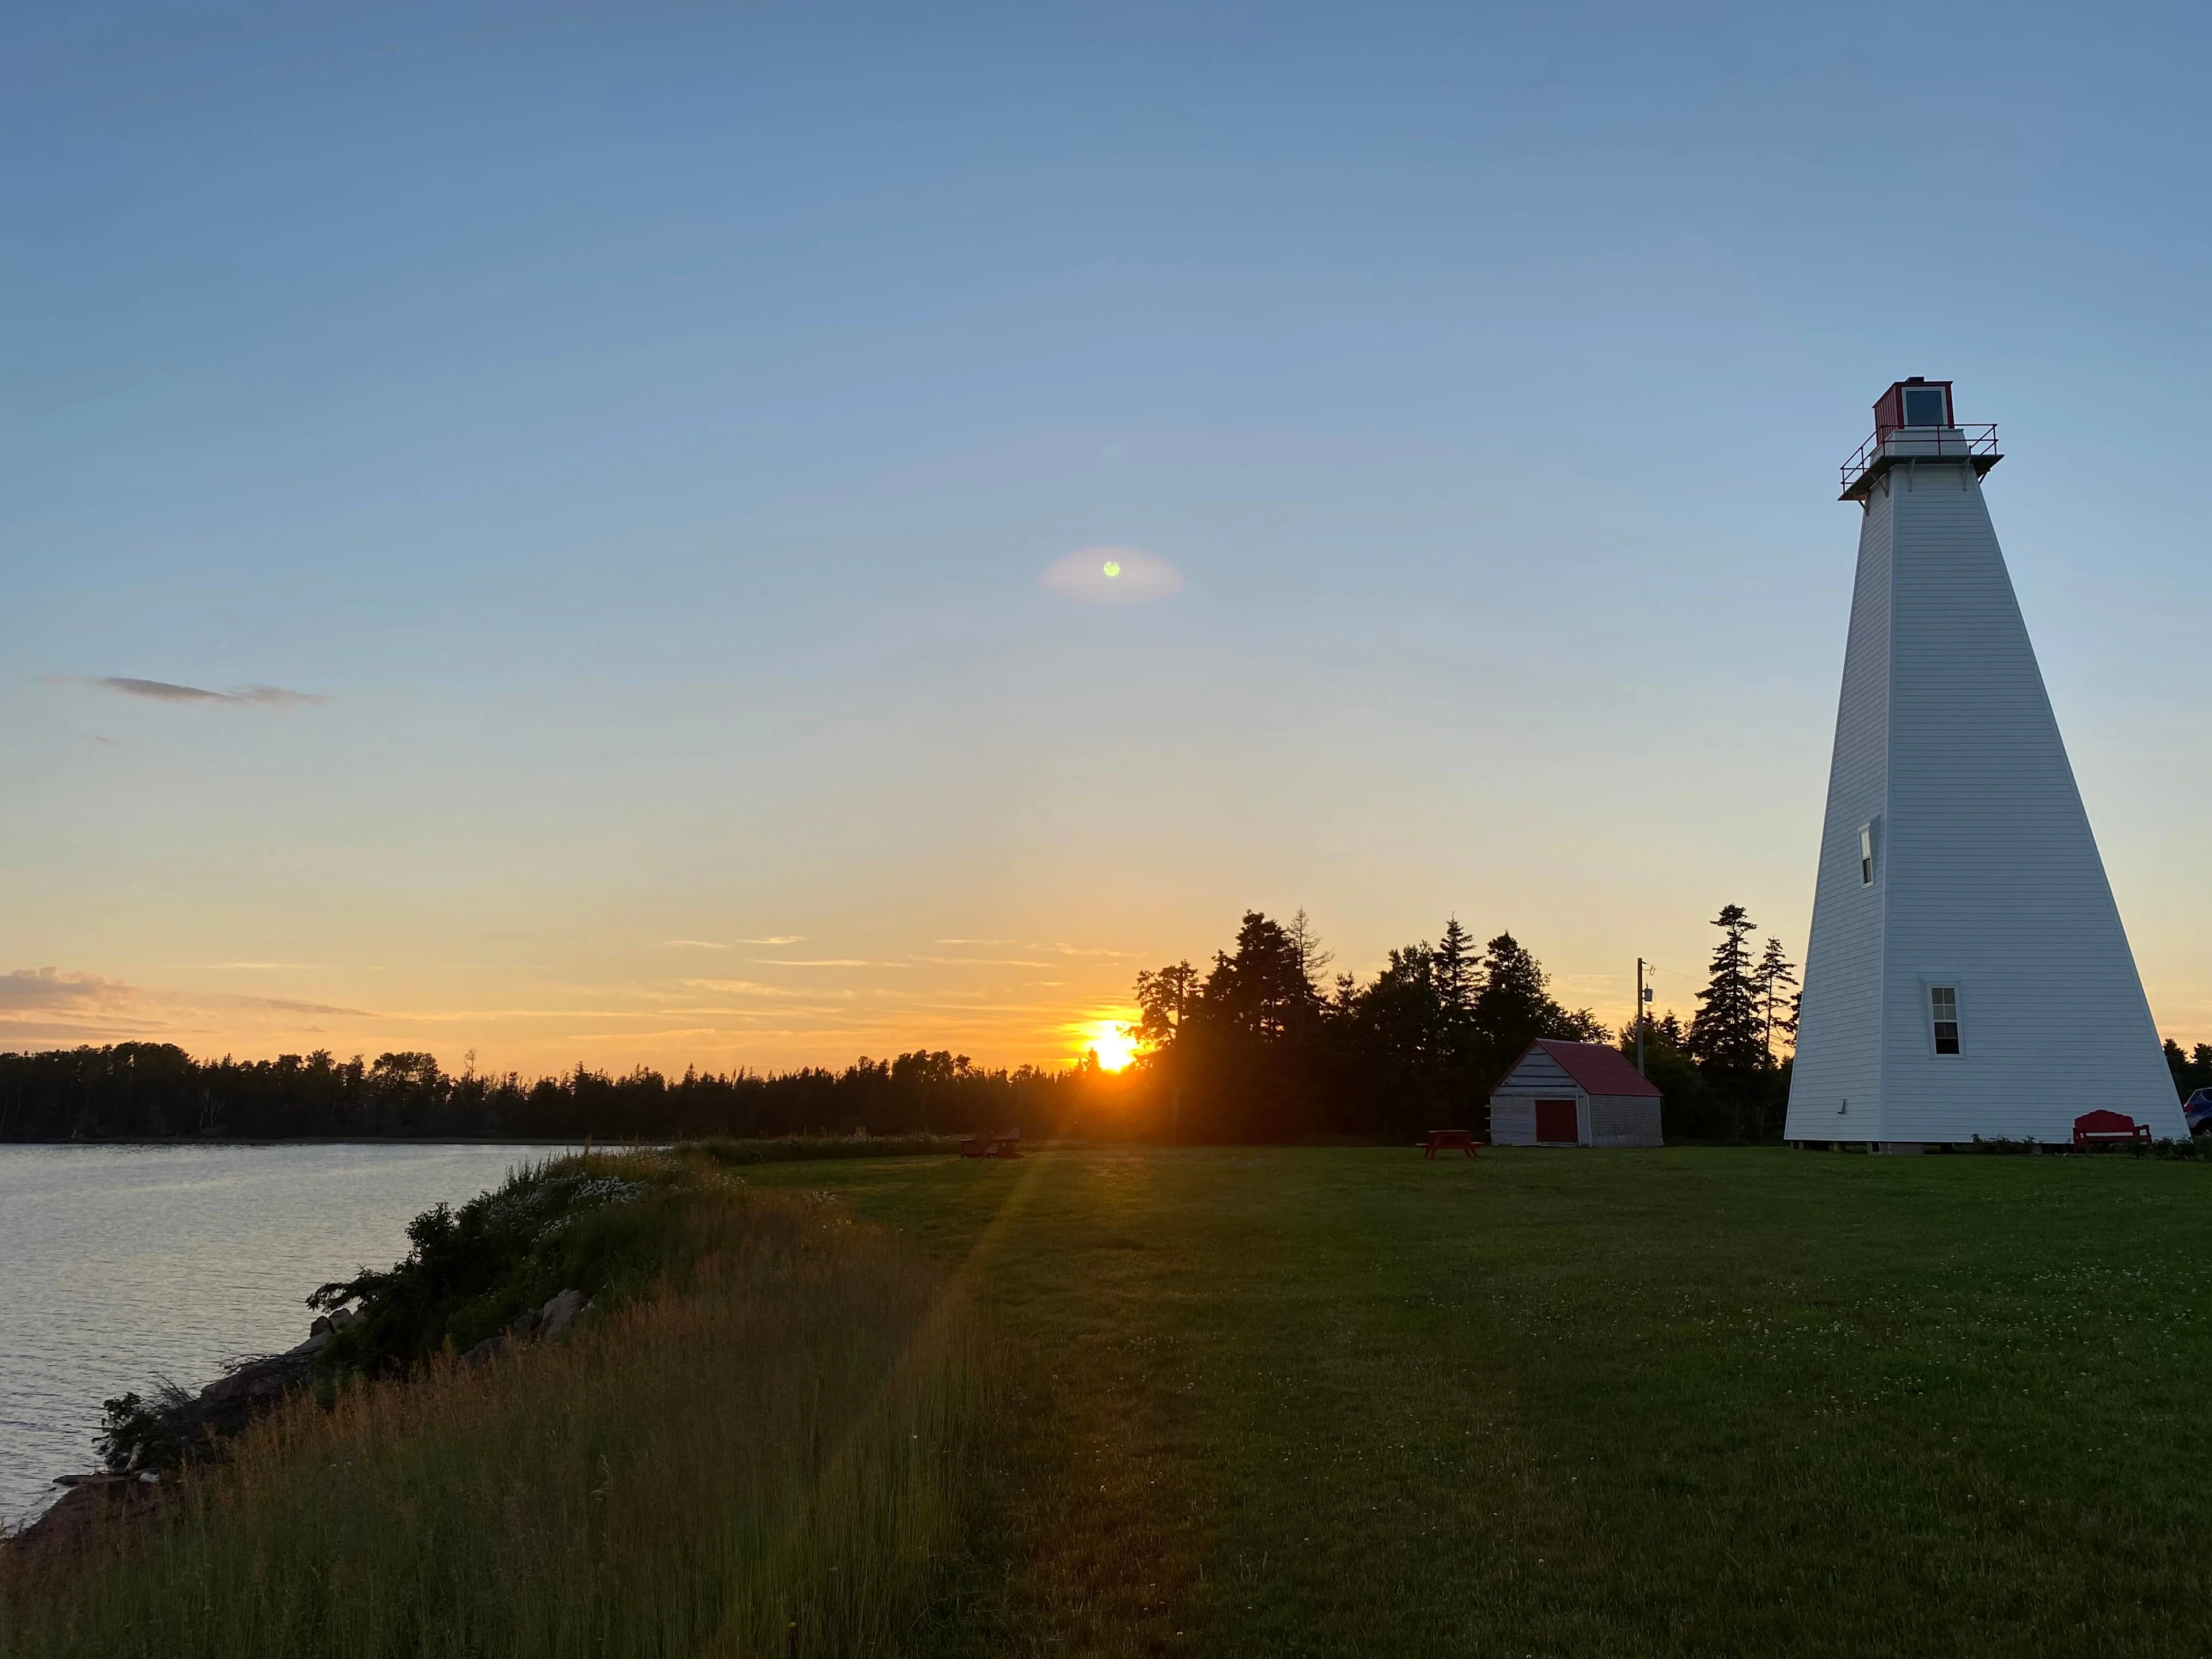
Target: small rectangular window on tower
pixel 1866 855
pixel 1943 1016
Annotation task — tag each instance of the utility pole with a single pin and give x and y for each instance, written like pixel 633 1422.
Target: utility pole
pixel 1642 996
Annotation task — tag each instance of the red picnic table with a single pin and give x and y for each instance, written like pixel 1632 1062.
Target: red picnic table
pixel 1008 1145
pixel 1444 1141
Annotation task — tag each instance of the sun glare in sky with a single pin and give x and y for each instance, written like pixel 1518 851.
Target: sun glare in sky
pixel 1112 575
pixel 1113 1046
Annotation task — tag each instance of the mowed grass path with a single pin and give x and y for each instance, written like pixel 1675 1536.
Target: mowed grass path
pixel 1684 1401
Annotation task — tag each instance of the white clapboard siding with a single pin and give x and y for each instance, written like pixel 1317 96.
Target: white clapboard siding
pixel 1621 1120
pixel 1538 1073
pixel 1838 1071
pixel 1987 875
pixel 1513 1120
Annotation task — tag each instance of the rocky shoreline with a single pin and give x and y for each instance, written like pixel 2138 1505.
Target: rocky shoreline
pixel 147 1442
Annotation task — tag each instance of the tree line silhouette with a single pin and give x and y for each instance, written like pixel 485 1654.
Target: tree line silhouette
pixel 2191 1071
pixel 1264 1044
pixel 149 1090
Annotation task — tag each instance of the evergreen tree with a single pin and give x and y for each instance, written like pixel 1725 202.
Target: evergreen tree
pixel 1254 1076
pixel 1727 1033
pixel 1164 998
pixel 2190 1072
pixel 1777 978
pixel 1401 1015
pixel 1457 965
pixel 1688 1110
pixel 1260 988
pixel 1514 1006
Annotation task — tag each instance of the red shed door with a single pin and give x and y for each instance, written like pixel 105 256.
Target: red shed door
pixel 1555 1120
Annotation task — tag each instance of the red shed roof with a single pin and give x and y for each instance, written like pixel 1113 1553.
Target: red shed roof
pixel 1596 1069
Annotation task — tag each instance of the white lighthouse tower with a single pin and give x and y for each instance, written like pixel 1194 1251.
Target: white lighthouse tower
pixel 1968 973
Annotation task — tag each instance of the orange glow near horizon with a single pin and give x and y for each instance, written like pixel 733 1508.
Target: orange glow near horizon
pixel 1110 1041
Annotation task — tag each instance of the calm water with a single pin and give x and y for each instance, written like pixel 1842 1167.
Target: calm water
pixel 121 1265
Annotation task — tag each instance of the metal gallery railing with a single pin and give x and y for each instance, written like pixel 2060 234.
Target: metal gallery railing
pixel 1921 443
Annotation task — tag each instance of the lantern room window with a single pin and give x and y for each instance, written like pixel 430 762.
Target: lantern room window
pixel 1943 1018
pixel 1926 405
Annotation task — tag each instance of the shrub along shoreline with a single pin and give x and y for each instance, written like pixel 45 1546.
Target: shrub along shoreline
pixel 764 1434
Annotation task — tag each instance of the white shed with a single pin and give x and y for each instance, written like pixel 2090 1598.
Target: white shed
pixel 1574 1094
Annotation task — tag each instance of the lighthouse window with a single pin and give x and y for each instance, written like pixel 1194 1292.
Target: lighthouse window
pixel 1943 1016
pixel 1866 855
pixel 1923 406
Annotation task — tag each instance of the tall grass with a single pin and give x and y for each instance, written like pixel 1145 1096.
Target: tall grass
pixel 770 1454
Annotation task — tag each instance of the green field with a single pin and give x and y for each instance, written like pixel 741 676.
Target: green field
pixel 1688 1401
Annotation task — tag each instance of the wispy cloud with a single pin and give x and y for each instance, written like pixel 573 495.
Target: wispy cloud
pixel 695 944
pixel 823 962
pixel 983 962
pixel 44 988
pixel 32 1000
pixel 972 941
pixel 265 697
pixel 724 945
pixel 774 938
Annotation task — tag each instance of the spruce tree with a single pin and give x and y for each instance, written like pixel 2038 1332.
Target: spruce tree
pixel 1727 1035
pixel 1458 968
pixel 1514 1006
pixel 1777 975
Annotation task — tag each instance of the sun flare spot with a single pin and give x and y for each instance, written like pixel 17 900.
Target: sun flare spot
pixel 1113 1045
pixel 1111 575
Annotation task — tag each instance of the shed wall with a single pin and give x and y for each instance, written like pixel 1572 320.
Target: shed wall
pixel 1513 1117
pixel 1538 1073
pixel 1513 1120
pixel 1622 1120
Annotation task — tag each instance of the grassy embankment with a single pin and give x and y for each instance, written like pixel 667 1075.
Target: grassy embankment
pixel 758 1442
pixel 1683 1402
pixel 1269 1402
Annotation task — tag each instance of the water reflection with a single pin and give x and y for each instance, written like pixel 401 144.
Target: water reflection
pixel 121 1265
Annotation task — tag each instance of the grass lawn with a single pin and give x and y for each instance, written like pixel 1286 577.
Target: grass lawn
pixel 1684 1401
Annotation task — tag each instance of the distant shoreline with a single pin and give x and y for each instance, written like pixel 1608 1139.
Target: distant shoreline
pixel 345 1141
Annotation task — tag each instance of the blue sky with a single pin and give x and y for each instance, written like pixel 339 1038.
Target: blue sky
pixel 639 435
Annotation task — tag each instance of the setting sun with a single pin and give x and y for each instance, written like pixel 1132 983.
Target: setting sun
pixel 1113 1045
